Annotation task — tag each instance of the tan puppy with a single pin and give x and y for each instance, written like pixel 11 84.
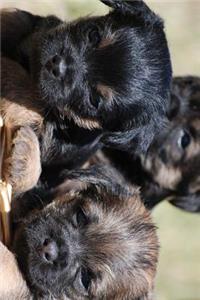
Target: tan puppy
pixel 12 285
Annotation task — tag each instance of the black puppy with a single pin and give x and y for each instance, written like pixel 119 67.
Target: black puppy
pixel 34 142
pixel 171 168
pixel 110 73
pixel 95 240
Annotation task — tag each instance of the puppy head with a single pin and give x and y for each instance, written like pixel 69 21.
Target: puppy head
pixel 173 160
pixel 111 72
pixel 95 242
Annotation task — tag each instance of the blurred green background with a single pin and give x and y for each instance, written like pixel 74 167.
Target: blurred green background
pixel 178 275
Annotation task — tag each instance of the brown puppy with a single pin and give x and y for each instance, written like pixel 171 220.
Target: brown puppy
pixel 20 110
pixel 95 240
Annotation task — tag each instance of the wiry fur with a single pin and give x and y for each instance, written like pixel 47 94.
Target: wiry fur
pixel 117 245
pixel 116 71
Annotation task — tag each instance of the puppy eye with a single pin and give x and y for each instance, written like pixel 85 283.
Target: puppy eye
pixel 94 36
pixel 184 139
pixel 81 218
pixel 85 278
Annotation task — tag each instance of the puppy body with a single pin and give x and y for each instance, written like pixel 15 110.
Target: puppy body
pixel 171 167
pixel 94 240
pixel 102 72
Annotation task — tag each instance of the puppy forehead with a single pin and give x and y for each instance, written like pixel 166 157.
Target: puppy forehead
pixel 99 202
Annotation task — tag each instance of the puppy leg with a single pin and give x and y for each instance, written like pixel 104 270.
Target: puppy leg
pixel 23 167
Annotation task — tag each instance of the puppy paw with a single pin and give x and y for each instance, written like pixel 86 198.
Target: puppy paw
pixel 12 284
pixel 23 166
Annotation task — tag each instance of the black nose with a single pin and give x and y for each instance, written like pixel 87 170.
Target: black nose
pixel 49 251
pixel 56 66
pixel 163 155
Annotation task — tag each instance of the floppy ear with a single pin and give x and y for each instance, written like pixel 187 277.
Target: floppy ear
pixel 136 8
pixel 136 140
pixel 97 176
pixel 190 202
pixel 68 182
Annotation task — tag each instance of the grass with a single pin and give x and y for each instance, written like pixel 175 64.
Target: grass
pixel 178 275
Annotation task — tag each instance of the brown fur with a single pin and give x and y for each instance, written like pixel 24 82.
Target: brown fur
pixel 170 174
pixel 23 122
pixel 119 244
pixel 85 123
pixel 105 91
pixel 109 40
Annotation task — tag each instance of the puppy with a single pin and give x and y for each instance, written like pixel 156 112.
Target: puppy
pixel 173 160
pixel 34 141
pixel 171 167
pixel 94 240
pixel 110 73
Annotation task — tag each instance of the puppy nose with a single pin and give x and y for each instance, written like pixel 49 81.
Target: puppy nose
pixel 49 251
pixel 56 66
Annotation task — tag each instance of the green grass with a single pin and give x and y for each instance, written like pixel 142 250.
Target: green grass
pixel 178 275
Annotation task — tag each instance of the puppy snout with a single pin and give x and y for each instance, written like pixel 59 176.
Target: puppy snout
pixel 56 66
pixel 49 251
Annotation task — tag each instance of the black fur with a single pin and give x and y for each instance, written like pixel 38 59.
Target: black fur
pixel 125 51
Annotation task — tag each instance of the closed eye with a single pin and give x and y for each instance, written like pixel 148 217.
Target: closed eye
pixel 81 218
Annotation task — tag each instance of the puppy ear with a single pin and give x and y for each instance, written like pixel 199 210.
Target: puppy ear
pixel 136 8
pixel 190 203
pixel 136 140
pixel 98 176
